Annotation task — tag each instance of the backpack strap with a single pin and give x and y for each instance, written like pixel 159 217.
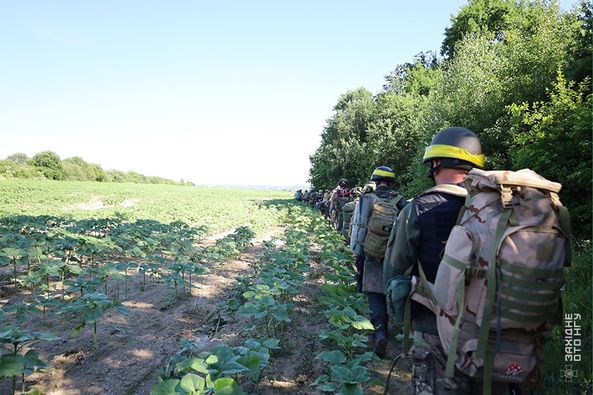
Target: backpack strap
pixel 424 290
pixel 401 202
pixel 407 323
pixel 407 327
pixel 452 357
pixel 566 229
pixel 483 351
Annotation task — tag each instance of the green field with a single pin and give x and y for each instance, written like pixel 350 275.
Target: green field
pixel 219 209
pixel 77 257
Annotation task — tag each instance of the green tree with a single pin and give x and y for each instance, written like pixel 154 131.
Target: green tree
pixel 536 46
pixel 478 17
pixel 49 164
pixel 343 142
pixel 76 168
pixel 96 173
pixel 11 169
pixel 554 138
pixel 72 172
pixel 19 158
pixel 579 67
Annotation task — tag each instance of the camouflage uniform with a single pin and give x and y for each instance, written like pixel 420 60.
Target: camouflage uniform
pixel 370 268
pixel 419 235
pixel 333 205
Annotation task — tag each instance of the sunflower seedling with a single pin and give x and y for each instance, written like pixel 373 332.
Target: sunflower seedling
pixel 13 362
pixel 91 308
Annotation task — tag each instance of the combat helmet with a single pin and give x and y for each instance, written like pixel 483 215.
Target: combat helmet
pixel 383 173
pixel 457 148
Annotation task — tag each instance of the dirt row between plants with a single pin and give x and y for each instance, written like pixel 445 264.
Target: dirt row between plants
pixel 134 348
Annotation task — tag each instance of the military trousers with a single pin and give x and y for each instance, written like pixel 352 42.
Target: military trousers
pixel 428 373
pixel 359 272
pixel 378 306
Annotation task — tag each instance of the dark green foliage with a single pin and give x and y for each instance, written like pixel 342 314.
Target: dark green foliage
pixel 516 73
pixel 579 67
pixel 14 361
pixel 476 17
pixel 554 137
pixel 343 141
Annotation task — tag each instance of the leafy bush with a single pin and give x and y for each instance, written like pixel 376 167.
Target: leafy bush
pixel 577 298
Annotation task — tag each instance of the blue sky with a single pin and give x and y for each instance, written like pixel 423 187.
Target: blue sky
pixel 227 92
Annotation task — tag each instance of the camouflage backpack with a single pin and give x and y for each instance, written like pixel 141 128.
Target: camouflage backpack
pixel 383 215
pixel 348 210
pixel 497 289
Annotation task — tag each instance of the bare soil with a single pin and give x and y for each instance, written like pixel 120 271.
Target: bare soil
pixel 134 348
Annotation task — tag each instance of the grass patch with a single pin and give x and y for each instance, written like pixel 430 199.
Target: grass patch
pixel 577 300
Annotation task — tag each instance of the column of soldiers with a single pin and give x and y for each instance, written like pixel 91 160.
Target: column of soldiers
pixel 391 237
pixel 335 204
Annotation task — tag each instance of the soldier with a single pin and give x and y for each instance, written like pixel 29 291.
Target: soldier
pixel 348 211
pixel 343 198
pixel 325 203
pixel 420 234
pixel 305 197
pixel 373 218
pixel 312 198
pixel 334 203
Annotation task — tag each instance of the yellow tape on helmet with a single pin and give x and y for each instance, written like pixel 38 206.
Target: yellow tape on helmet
pixel 451 151
pixel 383 173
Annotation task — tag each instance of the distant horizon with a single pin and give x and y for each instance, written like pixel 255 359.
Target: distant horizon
pixel 260 187
pixel 238 186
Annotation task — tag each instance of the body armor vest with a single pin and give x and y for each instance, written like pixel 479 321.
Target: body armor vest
pixel 437 213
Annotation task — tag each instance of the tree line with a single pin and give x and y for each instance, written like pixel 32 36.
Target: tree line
pixel 48 165
pixel 517 73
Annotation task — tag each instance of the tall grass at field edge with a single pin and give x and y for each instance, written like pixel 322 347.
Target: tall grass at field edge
pixel 577 297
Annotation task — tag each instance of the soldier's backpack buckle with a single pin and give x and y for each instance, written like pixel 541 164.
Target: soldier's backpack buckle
pixel 506 195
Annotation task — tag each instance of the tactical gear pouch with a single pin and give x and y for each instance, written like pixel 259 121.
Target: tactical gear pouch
pixel 382 219
pixel 372 276
pixel 375 245
pixel 398 290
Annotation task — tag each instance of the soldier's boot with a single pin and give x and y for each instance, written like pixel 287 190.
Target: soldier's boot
pixel 379 338
pixel 380 346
